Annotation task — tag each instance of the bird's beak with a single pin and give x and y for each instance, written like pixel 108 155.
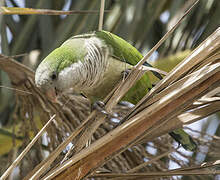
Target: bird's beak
pixel 52 95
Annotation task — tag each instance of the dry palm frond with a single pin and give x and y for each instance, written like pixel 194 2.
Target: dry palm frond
pixel 133 150
pixel 191 88
pixel 183 86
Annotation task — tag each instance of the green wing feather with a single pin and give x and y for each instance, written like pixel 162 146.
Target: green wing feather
pixel 125 52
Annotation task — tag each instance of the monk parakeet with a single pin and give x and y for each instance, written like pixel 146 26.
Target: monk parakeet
pixel 92 64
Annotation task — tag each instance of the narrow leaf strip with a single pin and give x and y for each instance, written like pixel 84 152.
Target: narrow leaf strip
pixel 28 11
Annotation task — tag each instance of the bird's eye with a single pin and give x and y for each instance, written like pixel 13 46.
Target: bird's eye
pixel 53 76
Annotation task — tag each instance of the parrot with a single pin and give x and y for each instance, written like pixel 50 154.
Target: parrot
pixel 92 64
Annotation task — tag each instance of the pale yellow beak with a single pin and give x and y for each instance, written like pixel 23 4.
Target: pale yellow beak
pixel 51 94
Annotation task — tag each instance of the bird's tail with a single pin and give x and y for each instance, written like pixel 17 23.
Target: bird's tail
pixel 184 139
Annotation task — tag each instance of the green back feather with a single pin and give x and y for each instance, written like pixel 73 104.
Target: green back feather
pixel 121 48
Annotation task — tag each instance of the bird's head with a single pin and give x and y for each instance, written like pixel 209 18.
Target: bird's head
pixel 55 74
pixel 46 77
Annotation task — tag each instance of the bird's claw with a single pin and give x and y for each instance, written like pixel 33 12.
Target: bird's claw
pixel 100 106
pixel 125 73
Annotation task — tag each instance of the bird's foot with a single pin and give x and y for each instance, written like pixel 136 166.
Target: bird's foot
pixel 100 106
pixel 125 73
